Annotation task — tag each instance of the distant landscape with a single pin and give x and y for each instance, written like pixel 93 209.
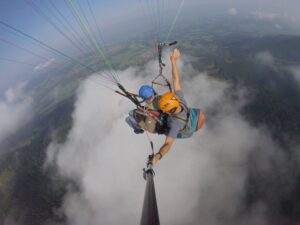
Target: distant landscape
pixel 228 50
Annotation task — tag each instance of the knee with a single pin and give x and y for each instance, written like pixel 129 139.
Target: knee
pixel 131 113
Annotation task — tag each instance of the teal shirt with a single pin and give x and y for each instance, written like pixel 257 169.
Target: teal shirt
pixel 154 104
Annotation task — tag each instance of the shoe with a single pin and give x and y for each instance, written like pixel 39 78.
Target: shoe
pixel 138 131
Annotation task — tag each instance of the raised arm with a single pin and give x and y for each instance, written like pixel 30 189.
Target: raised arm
pixel 175 72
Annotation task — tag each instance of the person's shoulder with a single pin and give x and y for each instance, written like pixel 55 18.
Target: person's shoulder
pixel 176 122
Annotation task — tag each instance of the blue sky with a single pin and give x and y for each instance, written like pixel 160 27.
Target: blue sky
pixel 29 17
pixel 26 15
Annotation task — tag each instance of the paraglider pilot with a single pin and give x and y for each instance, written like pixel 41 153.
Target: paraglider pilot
pixel 182 121
pixel 140 121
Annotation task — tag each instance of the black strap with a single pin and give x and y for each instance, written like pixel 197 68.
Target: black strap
pixel 187 116
pixel 167 83
pixel 160 48
pixel 128 95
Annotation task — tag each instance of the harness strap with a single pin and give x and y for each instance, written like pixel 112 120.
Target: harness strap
pixel 166 84
pixel 152 113
pixel 130 96
pixel 185 121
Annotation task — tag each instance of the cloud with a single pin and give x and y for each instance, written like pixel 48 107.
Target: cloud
pixel 232 11
pixel 14 110
pixel 264 15
pixel 265 58
pixel 42 66
pixel 295 70
pixel 208 173
pixel 277 26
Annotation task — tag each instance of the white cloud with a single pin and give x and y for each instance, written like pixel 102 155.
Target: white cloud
pixel 277 26
pixel 264 15
pixel 232 11
pixel 15 94
pixel 42 66
pixel 207 173
pixel 265 58
pixel 14 111
pixel 295 72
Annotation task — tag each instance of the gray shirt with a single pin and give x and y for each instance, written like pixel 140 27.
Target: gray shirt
pixel 176 125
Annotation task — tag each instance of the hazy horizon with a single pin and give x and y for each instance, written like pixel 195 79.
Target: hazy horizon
pixel 44 22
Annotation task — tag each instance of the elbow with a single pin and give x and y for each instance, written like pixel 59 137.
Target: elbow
pixel 168 145
pixel 169 141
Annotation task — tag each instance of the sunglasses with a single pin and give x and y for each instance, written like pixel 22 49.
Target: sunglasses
pixel 172 110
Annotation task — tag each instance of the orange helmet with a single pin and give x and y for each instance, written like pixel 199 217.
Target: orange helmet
pixel 168 101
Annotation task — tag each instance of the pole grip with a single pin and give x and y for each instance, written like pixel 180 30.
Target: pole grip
pixel 172 43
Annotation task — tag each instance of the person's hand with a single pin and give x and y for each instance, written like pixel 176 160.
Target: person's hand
pixel 155 159
pixel 175 55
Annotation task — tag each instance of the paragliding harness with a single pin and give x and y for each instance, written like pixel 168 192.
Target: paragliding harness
pixel 155 81
pixel 160 117
pixel 142 112
pixel 190 122
pixel 147 116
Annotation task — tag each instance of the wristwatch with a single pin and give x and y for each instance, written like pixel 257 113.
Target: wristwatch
pixel 160 155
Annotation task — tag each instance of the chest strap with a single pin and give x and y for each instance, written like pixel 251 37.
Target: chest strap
pixel 183 120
